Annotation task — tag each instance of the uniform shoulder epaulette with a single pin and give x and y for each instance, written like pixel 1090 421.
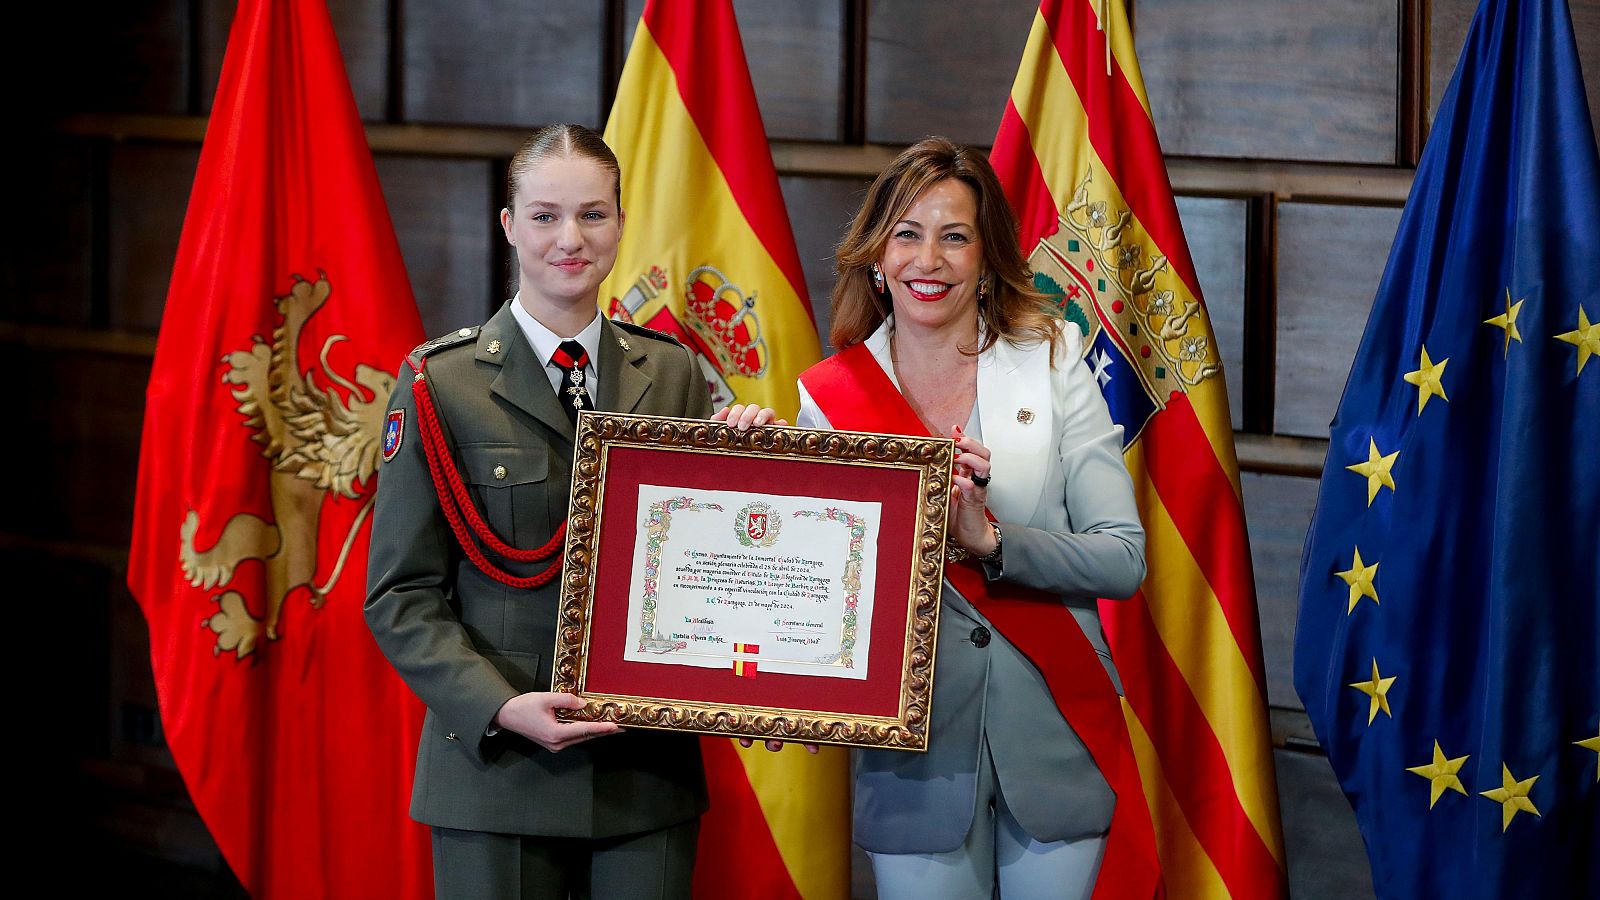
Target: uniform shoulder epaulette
pixel 428 348
pixel 642 331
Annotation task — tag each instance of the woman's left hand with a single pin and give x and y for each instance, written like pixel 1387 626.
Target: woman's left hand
pixel 742 415
pixel 969 496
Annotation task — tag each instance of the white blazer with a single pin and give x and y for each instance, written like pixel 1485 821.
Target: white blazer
pixel 1064 502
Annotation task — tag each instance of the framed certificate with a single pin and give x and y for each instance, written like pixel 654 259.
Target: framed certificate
pixel 780 583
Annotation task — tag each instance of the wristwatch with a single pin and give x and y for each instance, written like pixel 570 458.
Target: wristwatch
pixel 992 558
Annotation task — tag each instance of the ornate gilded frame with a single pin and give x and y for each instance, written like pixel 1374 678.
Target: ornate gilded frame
pixel 599 433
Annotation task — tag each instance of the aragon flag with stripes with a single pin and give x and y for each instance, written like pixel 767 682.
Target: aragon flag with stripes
pixel 1078 155
pixel 708 257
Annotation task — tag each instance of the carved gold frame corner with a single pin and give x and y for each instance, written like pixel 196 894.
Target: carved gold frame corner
pixel 931 458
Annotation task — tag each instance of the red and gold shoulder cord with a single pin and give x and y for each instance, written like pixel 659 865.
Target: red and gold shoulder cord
pixel 469 527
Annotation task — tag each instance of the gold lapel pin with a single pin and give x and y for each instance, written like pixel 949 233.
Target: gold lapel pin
pixel 1025 415
pixel 494 347
pixel 623 344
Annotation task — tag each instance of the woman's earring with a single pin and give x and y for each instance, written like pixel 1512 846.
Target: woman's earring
pixel 983 288
pixel 877 278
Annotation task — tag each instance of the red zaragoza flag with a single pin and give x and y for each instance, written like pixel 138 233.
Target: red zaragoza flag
pixel 288 306
pixel 1079 158
pixel 709 258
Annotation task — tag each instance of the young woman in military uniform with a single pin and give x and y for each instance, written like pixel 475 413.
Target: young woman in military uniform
pixel 522 804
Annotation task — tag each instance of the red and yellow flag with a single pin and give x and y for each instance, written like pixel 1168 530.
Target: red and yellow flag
pixel 288 308
pixel 1078 155
pixel 707 256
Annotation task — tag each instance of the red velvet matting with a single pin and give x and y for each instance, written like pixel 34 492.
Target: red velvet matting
pixel 628 467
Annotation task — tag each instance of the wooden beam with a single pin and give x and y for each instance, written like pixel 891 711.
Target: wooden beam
pixel 1291 730
pixel 1260 313
pixel 1326 182
pixel 1290 180
pixel 837 160
pixel 1275 454
pixel 57 337
pixel 107 556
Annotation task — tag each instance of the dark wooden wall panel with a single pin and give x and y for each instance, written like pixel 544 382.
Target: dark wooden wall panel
pixel 135 737
pixel 1448 25
pixel 140 54
pixel 942 69
pixel 81 489
pixel 362 27
pixel 1278 510
pixel 46 272
pixel 1215 229
pixel 1326 858
pixel 820 209
pixel 1326 90
pixel 795 54
pixel 147 196
pixel 1330 259
pixel 445 218
pixel 488 63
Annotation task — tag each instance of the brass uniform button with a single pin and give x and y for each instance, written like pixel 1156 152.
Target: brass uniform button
pixel 499 473
pixel 465 332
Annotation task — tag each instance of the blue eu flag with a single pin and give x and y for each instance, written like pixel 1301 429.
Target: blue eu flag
pixel 1450 587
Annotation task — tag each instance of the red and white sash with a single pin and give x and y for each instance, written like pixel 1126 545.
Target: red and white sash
pixel 855 394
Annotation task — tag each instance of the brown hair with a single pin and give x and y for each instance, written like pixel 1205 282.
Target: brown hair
pixel 1012 309
pixel 560 140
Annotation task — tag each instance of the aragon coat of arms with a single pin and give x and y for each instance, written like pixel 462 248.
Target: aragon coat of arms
pixel 316 446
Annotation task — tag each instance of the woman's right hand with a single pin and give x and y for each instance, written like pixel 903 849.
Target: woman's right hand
pixel 533 715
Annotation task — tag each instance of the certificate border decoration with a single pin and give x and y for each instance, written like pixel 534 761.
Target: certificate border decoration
pixel 656 534
pixel 851 579
pixel 931 458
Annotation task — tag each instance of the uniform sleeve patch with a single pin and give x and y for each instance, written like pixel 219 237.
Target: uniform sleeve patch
pixel 394 431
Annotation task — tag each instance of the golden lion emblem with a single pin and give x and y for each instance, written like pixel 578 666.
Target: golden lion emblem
pixel 317 445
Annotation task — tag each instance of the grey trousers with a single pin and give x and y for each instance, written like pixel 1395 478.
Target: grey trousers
pixel 997 853
pixel 477 865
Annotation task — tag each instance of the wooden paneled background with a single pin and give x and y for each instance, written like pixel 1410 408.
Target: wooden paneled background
pixel 1292 128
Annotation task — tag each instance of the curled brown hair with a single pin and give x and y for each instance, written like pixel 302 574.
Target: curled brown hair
pixel 560 140
pixel 1012 309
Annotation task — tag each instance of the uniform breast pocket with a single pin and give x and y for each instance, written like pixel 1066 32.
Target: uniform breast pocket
pixel 511 483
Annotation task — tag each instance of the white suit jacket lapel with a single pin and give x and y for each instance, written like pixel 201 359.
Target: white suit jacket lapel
pixel 1013 386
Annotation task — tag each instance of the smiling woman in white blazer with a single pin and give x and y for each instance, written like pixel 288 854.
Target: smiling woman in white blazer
pixel 933 285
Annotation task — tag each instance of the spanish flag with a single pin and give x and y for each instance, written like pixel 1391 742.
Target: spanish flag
pixel 707 256
pixel 1078 155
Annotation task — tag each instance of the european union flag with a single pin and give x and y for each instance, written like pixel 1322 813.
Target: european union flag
pixel 1450 586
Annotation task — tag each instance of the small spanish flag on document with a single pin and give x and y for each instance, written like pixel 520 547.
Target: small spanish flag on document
pixel 745 668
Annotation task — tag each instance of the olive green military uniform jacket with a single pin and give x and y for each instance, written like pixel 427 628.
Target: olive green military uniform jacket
pixel 466 643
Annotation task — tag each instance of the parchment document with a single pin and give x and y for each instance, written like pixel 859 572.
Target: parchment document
pixel 753 582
